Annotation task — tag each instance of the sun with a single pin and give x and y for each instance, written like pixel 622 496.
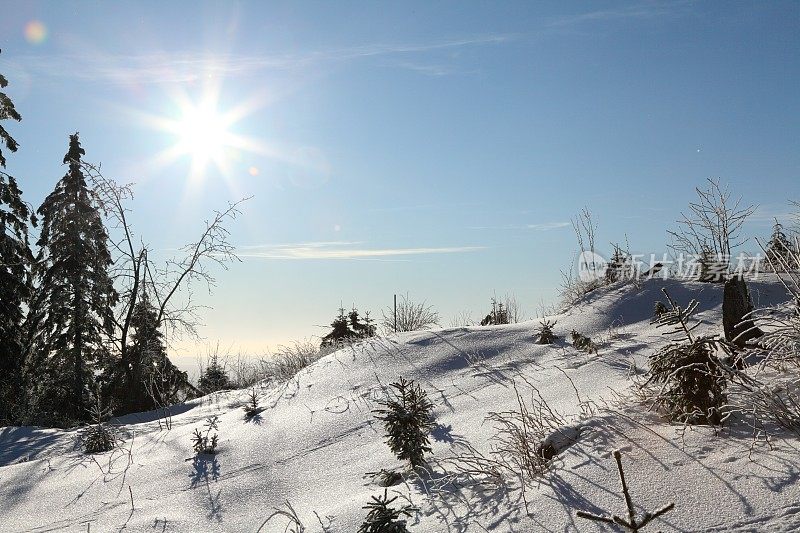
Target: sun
pixel 202 133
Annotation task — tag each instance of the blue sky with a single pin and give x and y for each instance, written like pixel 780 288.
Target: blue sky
pixel 438 149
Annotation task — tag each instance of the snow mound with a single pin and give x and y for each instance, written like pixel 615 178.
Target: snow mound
pixel 316 441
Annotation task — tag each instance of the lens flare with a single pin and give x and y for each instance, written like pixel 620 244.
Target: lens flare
pixel 35 32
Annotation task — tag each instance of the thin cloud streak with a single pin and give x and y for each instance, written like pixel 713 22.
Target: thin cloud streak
pixel 342 250
pixel 542 226
pixel 635 11
pixel 185 67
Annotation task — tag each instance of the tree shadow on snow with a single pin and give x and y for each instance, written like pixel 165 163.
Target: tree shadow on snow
pixel 205 469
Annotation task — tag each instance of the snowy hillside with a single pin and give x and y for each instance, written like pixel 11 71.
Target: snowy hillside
pixel 317 439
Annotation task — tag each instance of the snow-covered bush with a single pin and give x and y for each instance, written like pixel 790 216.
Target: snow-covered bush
pixel 546 335
pixel 204 442
pixel 781 326
pixel 693 378
pixel 407 417
pixel 382 518
pixel 582 342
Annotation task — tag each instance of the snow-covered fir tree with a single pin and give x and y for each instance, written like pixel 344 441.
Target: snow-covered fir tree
pixel 147 378
pixel 15 262
pixel 779 250
pixel 71 309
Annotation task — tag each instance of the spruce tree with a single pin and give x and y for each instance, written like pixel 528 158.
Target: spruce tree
pixel 214 377
pixel 779 250
pixel 382 518
pixel 407 417
pixel 15 262
pixel 7 111
pixel 138 383
pixel 71 310
pixel 341 331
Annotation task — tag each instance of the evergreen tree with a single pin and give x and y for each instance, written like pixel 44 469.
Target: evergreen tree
pixel 15 262
pixel 71 310
pixel 341 332
pixel 385 519
pixel 780 250
pixel 7 111
pixel 361 328
pixel 214 377
pixel 407 417
pixel 147 379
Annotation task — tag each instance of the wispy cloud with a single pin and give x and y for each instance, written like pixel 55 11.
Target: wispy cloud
pixel 424 207
pixel 548 226
pixel 342 250
pixel 541 226
pixel 646 10
pixel 183 67
pixel 768 214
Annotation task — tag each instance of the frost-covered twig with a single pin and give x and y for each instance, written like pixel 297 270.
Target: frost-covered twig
pixel 631 524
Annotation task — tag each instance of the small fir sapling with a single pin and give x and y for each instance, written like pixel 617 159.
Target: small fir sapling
pixel 385 519
pixel 583 343
pixel 546 335
pixel 659 309
pixel 205 443
pixel 97 437
pixel 251 408
pixel 406 415
pixel 214 377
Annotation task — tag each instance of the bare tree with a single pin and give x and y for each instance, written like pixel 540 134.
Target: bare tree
pixel 135 274
pixel 410 316
pixel 712 225
pixel 513 308
pixel 585 228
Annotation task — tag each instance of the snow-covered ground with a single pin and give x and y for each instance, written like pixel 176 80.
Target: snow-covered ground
pixel 317 439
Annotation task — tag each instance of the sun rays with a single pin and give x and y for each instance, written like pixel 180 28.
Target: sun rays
pixel 202 132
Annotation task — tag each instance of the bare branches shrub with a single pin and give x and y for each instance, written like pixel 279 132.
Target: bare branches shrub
pixel 410 316
pixel 712 225
pixel 287 361
pixel 525 443
pixel 573 288
pixel 293 522
pixel 513 308
pixel 461 319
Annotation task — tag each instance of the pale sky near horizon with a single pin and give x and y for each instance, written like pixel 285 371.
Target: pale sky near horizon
pixel 438 149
